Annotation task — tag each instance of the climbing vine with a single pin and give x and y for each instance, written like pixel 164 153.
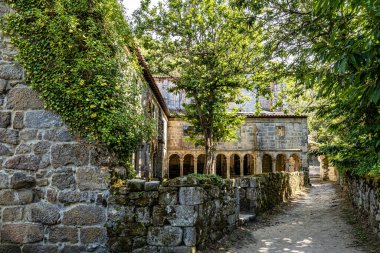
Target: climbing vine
pixel 76 54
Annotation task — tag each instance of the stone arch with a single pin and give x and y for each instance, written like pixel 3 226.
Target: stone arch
pixel 188 164
pixel 249 165
pixel 174 166
pixel 221 165
pixel 294 163
pixel 201 162
pixel 280 162
pixel 235 165
pixel 267 163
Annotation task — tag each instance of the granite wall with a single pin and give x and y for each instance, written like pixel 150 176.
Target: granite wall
pixel 364 193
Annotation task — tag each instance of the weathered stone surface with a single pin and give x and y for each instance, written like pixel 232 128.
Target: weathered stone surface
pixel 9 248
pixel 164 236
pixel 11 71
pixel 64 180
pixel 191 195
pixel 69 154
pixel 63 234
pixel 181 215
pixel 9 136
pixel 28 134
pixel 13 214
pixel 159 216
pixel 18 120
pixel 44 213
pixel 136 184
pixel 26 162
pixel 178 249
pixel 168 198
pixel 4 150
pixel 94 215
pixel 22 233
pixel 8 198
pixel 4 178
pixel 73 249
pixel 190 236
pixel 152 185
pixel 3 86
pixel 5 119
pixel 93 235
pixel 61 135
pixel 23 149
pixel 41 119
pixel 91 178
pixel 143 215
pixel 23 99
pixel 25 197
pixel 35 248
pixel 21 180
pixel 41 147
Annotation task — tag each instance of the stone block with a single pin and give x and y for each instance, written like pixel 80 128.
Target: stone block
pixel 190 236
pixel 143 215
pixel 244 182
pixel 191 195
pixel 69 154
pixel 159 216
pixel 9 136
pixel 41 147
pixel 93 235
pixel 12 214
pixel 58 135
pixel 136 184
pixel 91 178
pixel 44 213
pixel 168 198
pixel 135 229
pixel 152 185
pixel 41 119
pixel 4 181
pixel 23 99
pixel 21 180
pixel 8 198
pixel 28 134
pixel 23 149
pixel 26 162
pixel 164 236
pixel 9 248
pixel 73 249
pixel 94 215
pixel 178 249
pixel 11 71
pixel 59 234
pixel 25 197
pixel 64 180
pixel 3 86
pixel 181 215
pixel 36 248
pixel 5 119
pixel 4 150
pixel 22 233
pixel 18 120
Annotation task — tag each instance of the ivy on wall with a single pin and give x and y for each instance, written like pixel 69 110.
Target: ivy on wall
pixel 75 54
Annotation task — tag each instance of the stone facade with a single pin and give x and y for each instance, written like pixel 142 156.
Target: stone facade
pixel 364 193
pixel 264 144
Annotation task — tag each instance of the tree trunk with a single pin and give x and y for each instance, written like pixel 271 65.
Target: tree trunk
pixel 210 155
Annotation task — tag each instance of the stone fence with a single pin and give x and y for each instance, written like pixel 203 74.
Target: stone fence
pixel 364 193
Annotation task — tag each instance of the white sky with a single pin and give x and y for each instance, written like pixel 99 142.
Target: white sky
pixel 132 5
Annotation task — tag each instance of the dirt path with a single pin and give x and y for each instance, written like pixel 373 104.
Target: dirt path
pixel 314 221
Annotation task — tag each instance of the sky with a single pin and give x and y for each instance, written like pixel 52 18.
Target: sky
pixel 132 5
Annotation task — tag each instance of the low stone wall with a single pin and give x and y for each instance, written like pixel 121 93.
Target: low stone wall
pixel 364 193
pixel 180 215
pixel 263 192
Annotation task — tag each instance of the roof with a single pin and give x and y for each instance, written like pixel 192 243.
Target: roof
pixel 152 83
pixel 273 115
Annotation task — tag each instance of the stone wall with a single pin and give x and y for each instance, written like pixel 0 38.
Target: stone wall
pixel 263 192
pixel 364 193
pixel 179 215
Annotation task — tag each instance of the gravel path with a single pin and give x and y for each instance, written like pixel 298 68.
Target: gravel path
pixel 311 222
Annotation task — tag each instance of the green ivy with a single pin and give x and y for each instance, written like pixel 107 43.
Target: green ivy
pixel 76 54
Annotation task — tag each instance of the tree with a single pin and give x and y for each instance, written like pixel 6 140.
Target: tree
pixel 210 52
pixel 331 47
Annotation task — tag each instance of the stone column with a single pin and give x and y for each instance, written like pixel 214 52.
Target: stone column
pixel 181 167
pixel 228 161
pixel 274 165
pixel 195 165
pixel 287 165
pixel 241 167
pixel 259 165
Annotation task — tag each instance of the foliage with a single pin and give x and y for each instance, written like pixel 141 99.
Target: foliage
pixel 331 48
pixel 211 179
pixel 211 54
pixel 74 54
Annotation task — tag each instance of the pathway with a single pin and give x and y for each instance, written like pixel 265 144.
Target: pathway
pixel 311 222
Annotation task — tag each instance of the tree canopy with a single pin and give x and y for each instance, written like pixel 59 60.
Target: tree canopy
pixel 211 52
pixel 332 48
